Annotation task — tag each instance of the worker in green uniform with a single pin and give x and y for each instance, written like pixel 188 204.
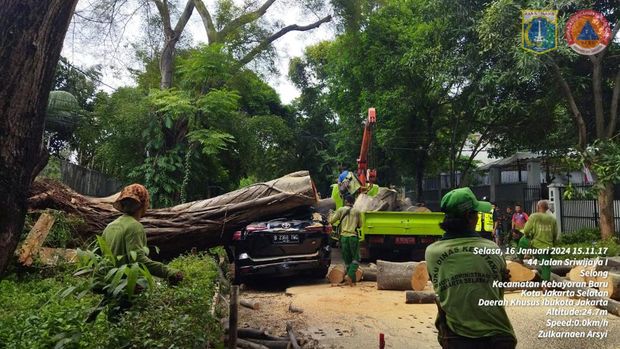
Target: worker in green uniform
pixel 126 234
pixel 463 267
pixel 542 231
pixel 349 221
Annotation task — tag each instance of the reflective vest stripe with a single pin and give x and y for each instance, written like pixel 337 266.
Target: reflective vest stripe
pixel 488 222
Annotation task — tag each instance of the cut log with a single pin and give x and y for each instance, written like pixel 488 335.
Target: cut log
pixel 336 274
pixel 250 333
pixel 250 304
pixel 201 224
pixel 385 200
pixel 420 277
pixel 36 237
pixel 370 272
pixel 395 276
pixel 519 273
pixel 575 274
pixel 245 344
pixel 271 344
pixel 295 309
pixel 420 297
pixel 580 273
pixel 612 287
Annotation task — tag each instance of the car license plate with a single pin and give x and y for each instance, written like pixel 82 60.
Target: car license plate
pixel 285 238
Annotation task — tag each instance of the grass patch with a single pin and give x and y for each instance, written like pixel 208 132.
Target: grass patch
pixel 35 314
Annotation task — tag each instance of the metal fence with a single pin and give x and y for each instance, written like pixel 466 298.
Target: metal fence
pixel 583 213
pixel 86 181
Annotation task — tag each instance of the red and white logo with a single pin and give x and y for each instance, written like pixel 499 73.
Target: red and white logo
pixel 588 32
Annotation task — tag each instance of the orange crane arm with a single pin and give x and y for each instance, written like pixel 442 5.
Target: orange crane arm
pixel 366 175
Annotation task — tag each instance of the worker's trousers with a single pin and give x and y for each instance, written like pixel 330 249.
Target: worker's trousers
pixel 350 247
pixel 545 270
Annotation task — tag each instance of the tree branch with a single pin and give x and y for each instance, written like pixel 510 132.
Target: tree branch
pixel 207 21
pixel 185 16
pixel 614 32
pixel 577 117
pixel 597 91
pixel 265 43
pixel 164 12
pixel 245 19
pixel 613 112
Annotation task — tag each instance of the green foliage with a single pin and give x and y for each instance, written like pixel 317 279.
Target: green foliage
pixel 604 159
pixel 107 274
pixel 52 169
pixel 584 235
pixel 64 231
pixel 35 313
pixel 588 238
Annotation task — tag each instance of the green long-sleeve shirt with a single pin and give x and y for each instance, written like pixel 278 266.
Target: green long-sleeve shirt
pixel 350 223
pixel 126 234
pixel 542 230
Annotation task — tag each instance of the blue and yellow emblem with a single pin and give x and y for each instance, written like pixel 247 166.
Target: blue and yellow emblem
pixel 539 32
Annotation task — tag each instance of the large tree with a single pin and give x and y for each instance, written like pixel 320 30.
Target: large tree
pixel 31 38
pixel 589 85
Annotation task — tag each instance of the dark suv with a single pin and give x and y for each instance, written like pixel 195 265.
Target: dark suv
pixel 282 247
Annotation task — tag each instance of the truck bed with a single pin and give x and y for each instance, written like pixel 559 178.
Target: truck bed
pixel 401 223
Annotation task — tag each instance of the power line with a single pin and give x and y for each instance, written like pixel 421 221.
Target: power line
pixel 88 76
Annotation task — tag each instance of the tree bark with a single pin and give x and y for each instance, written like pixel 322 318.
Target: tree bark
pixel 395 276
pixel 201 224
pixel 171 38
pixel 31 37
pixel 420 297
pixel 606 209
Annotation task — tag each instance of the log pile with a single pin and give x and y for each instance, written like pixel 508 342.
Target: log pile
pixel 201 224
pixel 385 200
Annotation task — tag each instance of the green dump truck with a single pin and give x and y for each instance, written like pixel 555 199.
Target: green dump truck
pixel 393 234
pixel 398 233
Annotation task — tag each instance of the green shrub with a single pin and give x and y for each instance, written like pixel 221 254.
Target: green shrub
pixel 64 231
pixel 583 235
pixel 35 313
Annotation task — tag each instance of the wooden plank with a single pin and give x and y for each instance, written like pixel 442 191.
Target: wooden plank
pixel 35 238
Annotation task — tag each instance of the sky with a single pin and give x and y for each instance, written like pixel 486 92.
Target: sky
pixel 115 61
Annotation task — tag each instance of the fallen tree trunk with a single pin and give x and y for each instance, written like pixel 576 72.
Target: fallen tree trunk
pixel 420 297
pixel 385 200
pixel 396 276
pixel 201 224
